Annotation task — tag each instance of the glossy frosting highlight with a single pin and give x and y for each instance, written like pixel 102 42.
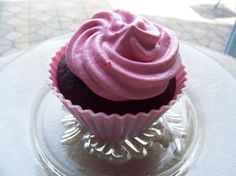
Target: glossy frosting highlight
pixel 120 56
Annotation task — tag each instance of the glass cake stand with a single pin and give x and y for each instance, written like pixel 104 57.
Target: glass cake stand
pixel 63 147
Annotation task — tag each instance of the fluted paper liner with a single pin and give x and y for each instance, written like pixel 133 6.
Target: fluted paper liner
pixel 113 127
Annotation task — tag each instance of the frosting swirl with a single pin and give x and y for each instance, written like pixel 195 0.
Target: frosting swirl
pixel 120 56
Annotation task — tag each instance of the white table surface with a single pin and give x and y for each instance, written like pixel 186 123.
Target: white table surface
pixel 211 88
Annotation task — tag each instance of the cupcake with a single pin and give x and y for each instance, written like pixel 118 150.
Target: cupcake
pixel 118 74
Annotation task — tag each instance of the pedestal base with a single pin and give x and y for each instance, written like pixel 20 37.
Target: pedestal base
pixel 168 147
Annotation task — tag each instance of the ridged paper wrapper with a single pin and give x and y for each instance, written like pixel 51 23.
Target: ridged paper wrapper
pixel 113 127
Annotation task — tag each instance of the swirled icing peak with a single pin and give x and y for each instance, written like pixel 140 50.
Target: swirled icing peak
pixel 120 56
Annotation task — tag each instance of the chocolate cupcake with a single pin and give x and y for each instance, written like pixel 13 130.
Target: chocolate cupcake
pixel 118 73
pixel 74 89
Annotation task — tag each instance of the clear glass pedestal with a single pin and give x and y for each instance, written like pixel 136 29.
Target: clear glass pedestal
pixel 63 147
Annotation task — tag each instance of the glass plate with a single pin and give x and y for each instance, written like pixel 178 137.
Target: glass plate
pixel 171 151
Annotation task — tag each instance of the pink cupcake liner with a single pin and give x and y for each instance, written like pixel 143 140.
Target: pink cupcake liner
pixel 113 127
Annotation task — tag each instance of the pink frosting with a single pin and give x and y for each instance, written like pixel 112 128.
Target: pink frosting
pixel 120 56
